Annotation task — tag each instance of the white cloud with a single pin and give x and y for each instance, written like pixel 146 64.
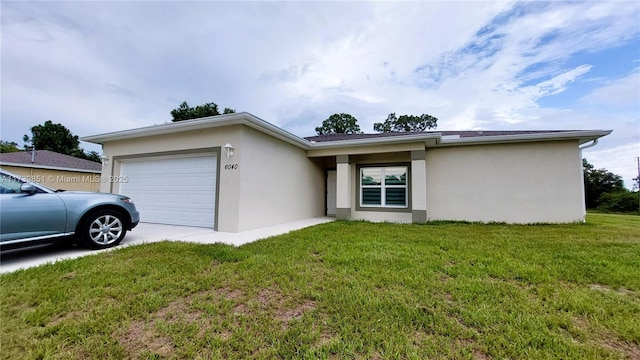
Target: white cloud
pixel 622 91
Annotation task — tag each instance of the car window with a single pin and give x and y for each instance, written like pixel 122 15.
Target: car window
pixel 9 184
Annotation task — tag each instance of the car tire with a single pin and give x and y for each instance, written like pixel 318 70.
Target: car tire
pixel 102 229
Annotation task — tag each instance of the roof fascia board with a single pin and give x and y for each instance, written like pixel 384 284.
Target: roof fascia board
pixel 242 118
pixel 47 167
pixel 364 149
pixel 582 136
pixel 375 141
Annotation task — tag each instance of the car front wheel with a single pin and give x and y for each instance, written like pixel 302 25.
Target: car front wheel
pixel 102 230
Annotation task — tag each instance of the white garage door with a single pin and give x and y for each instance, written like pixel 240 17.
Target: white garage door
pixel 177 191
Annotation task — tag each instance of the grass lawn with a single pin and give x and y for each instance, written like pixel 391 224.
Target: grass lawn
pixel 342 290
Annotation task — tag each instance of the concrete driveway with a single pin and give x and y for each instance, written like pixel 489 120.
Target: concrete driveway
pixel 146 233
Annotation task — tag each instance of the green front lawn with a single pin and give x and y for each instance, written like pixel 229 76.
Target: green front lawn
pixel 342 290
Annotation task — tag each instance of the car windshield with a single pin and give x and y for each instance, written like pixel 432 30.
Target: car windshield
pixel 9 184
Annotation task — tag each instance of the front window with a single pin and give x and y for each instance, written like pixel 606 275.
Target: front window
pixel 383 186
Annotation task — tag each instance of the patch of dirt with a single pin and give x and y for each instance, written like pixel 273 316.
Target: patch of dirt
pixel 448 298
pixel 609 341
pixel 226 334
pixel 268 296
pixel 241 309
pixel 229 294
pixel 68 276
pixel 420 337
pixel 60 319
pixel 599 287
pixel 325 338
pixel 141 336
pixel 630 350
pixel 138 339
pixel 172 311
pixel 580 323
pixel 295 313
pixel 479 355
pixel 465 342
pixel 621 291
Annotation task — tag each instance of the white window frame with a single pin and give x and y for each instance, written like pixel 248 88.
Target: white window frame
pixel 383 187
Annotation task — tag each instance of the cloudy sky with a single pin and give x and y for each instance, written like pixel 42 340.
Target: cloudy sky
pixel 98 67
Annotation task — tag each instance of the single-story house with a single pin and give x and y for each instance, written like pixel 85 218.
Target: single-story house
pixel 237 172
pixel 55 170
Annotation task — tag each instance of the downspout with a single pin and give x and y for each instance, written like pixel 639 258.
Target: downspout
pixel 594 143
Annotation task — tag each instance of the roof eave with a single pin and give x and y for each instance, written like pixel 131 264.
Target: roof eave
pixel 583 136
pixel 49 167
pixel 242 118
pixel 252 121
pixel 375 141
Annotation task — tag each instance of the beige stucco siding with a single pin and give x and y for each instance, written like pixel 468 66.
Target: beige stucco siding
pixel 59 179
pixel 514 183
pixel 279 182
pixel 265 182
pixel 184 143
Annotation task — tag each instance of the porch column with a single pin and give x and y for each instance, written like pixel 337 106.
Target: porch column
pixel 343 187
pixel 418 186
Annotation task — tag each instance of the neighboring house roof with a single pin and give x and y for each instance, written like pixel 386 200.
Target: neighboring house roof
pixel 46 159
pixel 431 138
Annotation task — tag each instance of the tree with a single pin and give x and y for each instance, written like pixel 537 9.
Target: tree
pixel 339 124
pixel 185 112
pixel 91 155
pixel 8 147
pixel 406 123
pixel 56 137
pixel 598 182
pixel 387 125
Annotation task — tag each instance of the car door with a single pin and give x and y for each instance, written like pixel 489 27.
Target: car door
pixel 29 216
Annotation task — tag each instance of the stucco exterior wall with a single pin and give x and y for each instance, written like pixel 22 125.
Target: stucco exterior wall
pixel 514 183
pixel 183 143
pixel 265 182
pixel 279 182
pixel 59 179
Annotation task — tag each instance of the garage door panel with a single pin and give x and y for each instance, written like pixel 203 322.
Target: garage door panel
pixel 178 191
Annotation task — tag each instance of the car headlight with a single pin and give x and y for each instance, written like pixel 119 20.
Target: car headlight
pixel 127 200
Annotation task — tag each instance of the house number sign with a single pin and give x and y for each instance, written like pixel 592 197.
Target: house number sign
pixel 231 167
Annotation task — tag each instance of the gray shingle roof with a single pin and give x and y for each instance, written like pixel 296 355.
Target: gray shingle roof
pixel 462 134
pixel 51 159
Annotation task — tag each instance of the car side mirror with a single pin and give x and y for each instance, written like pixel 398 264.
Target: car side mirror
pixel 28 188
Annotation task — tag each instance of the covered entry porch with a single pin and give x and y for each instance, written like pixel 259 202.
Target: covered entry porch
pixel 382 183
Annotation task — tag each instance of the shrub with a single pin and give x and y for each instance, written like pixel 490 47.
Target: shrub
pixel 619 201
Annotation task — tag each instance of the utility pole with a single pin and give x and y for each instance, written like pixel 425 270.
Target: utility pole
pixel 638 181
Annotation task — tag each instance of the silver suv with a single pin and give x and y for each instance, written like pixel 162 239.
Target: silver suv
pixel 31 213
